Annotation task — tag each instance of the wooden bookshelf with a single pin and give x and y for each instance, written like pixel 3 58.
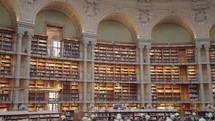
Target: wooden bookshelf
pixel 71 48
pixel 39 45
pixel 166 92
pixel 160 73
pixel 110 115
pixel 4 107
pixel 30 116
pixel 5 90
pixel 213 73
pixel 192 73
pixel 108 72
pixel 69 107
pixel 115 92
pixel 6 39
pixel 49 68
pixel 172 54
pixel 115 52
pixel 212 53
pixel 193 92
pixel 6 64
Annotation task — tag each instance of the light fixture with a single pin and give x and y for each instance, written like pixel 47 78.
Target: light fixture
pixel 118 117
pixel 202 119
pixel 147 117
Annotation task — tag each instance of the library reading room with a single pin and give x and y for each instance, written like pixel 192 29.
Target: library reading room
pixel 107 60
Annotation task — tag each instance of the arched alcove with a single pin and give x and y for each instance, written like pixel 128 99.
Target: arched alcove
pixel 171 33
pixel 112 30
pixel 55 17
pixel 212 33
pixel 6 18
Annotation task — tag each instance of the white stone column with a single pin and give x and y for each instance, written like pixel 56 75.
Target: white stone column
pixel 207 46
pixel 85 77
pixel 141 77
pixel 148 47
pixel 202 98
pixel 30 37
pixel 17 71
pixel 92 74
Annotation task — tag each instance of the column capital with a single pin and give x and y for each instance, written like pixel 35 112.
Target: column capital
pixel 207 46
pixel 89 37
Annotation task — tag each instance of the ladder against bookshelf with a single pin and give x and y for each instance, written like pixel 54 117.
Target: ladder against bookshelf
pixel 115 92
pixel 70 91
pixel 39 45
pixel 213 73
pixel 166 92
pixel 6 64
pixel 172 54
pixel 116 52
pixel 54 68
pixel 193 92
pixel 212 53
pixel 108 72
pixel 71 48
pixel 213 92
pixel 165 73
pixel 6 39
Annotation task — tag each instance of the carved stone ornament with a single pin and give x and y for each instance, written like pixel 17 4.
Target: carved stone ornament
pixel 29 1
pixel 200 10
pixel 200 15
pixel 144 16
pixel 90 10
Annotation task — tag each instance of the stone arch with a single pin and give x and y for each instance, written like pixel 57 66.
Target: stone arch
pixel 177 19
pixel 67 8
pixel 11 8
pixel 123 18
pixel 210 26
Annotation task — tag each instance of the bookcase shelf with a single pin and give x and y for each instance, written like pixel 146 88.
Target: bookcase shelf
pixel 166 73
pixel 213 73
pixel 166 92
pixel 70 107
pixel 172 55
pixel 54 68
pixel 6 39
pixel 39 45
pixel 115 92
pixel 193 92
pixel 110 115
pixel 212 53
pixel 6 64
pixel 40 90
pixel 108 72
pixel 191 73
pixel 71 48
pixel 115 52
pixel 5 90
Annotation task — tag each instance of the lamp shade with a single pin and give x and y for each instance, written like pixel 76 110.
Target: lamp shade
pixel 84 118
pixel 147 117
pixel 168 119
pixel 194 114
pixel 202 119
pixel 210 115
pixel 118 116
